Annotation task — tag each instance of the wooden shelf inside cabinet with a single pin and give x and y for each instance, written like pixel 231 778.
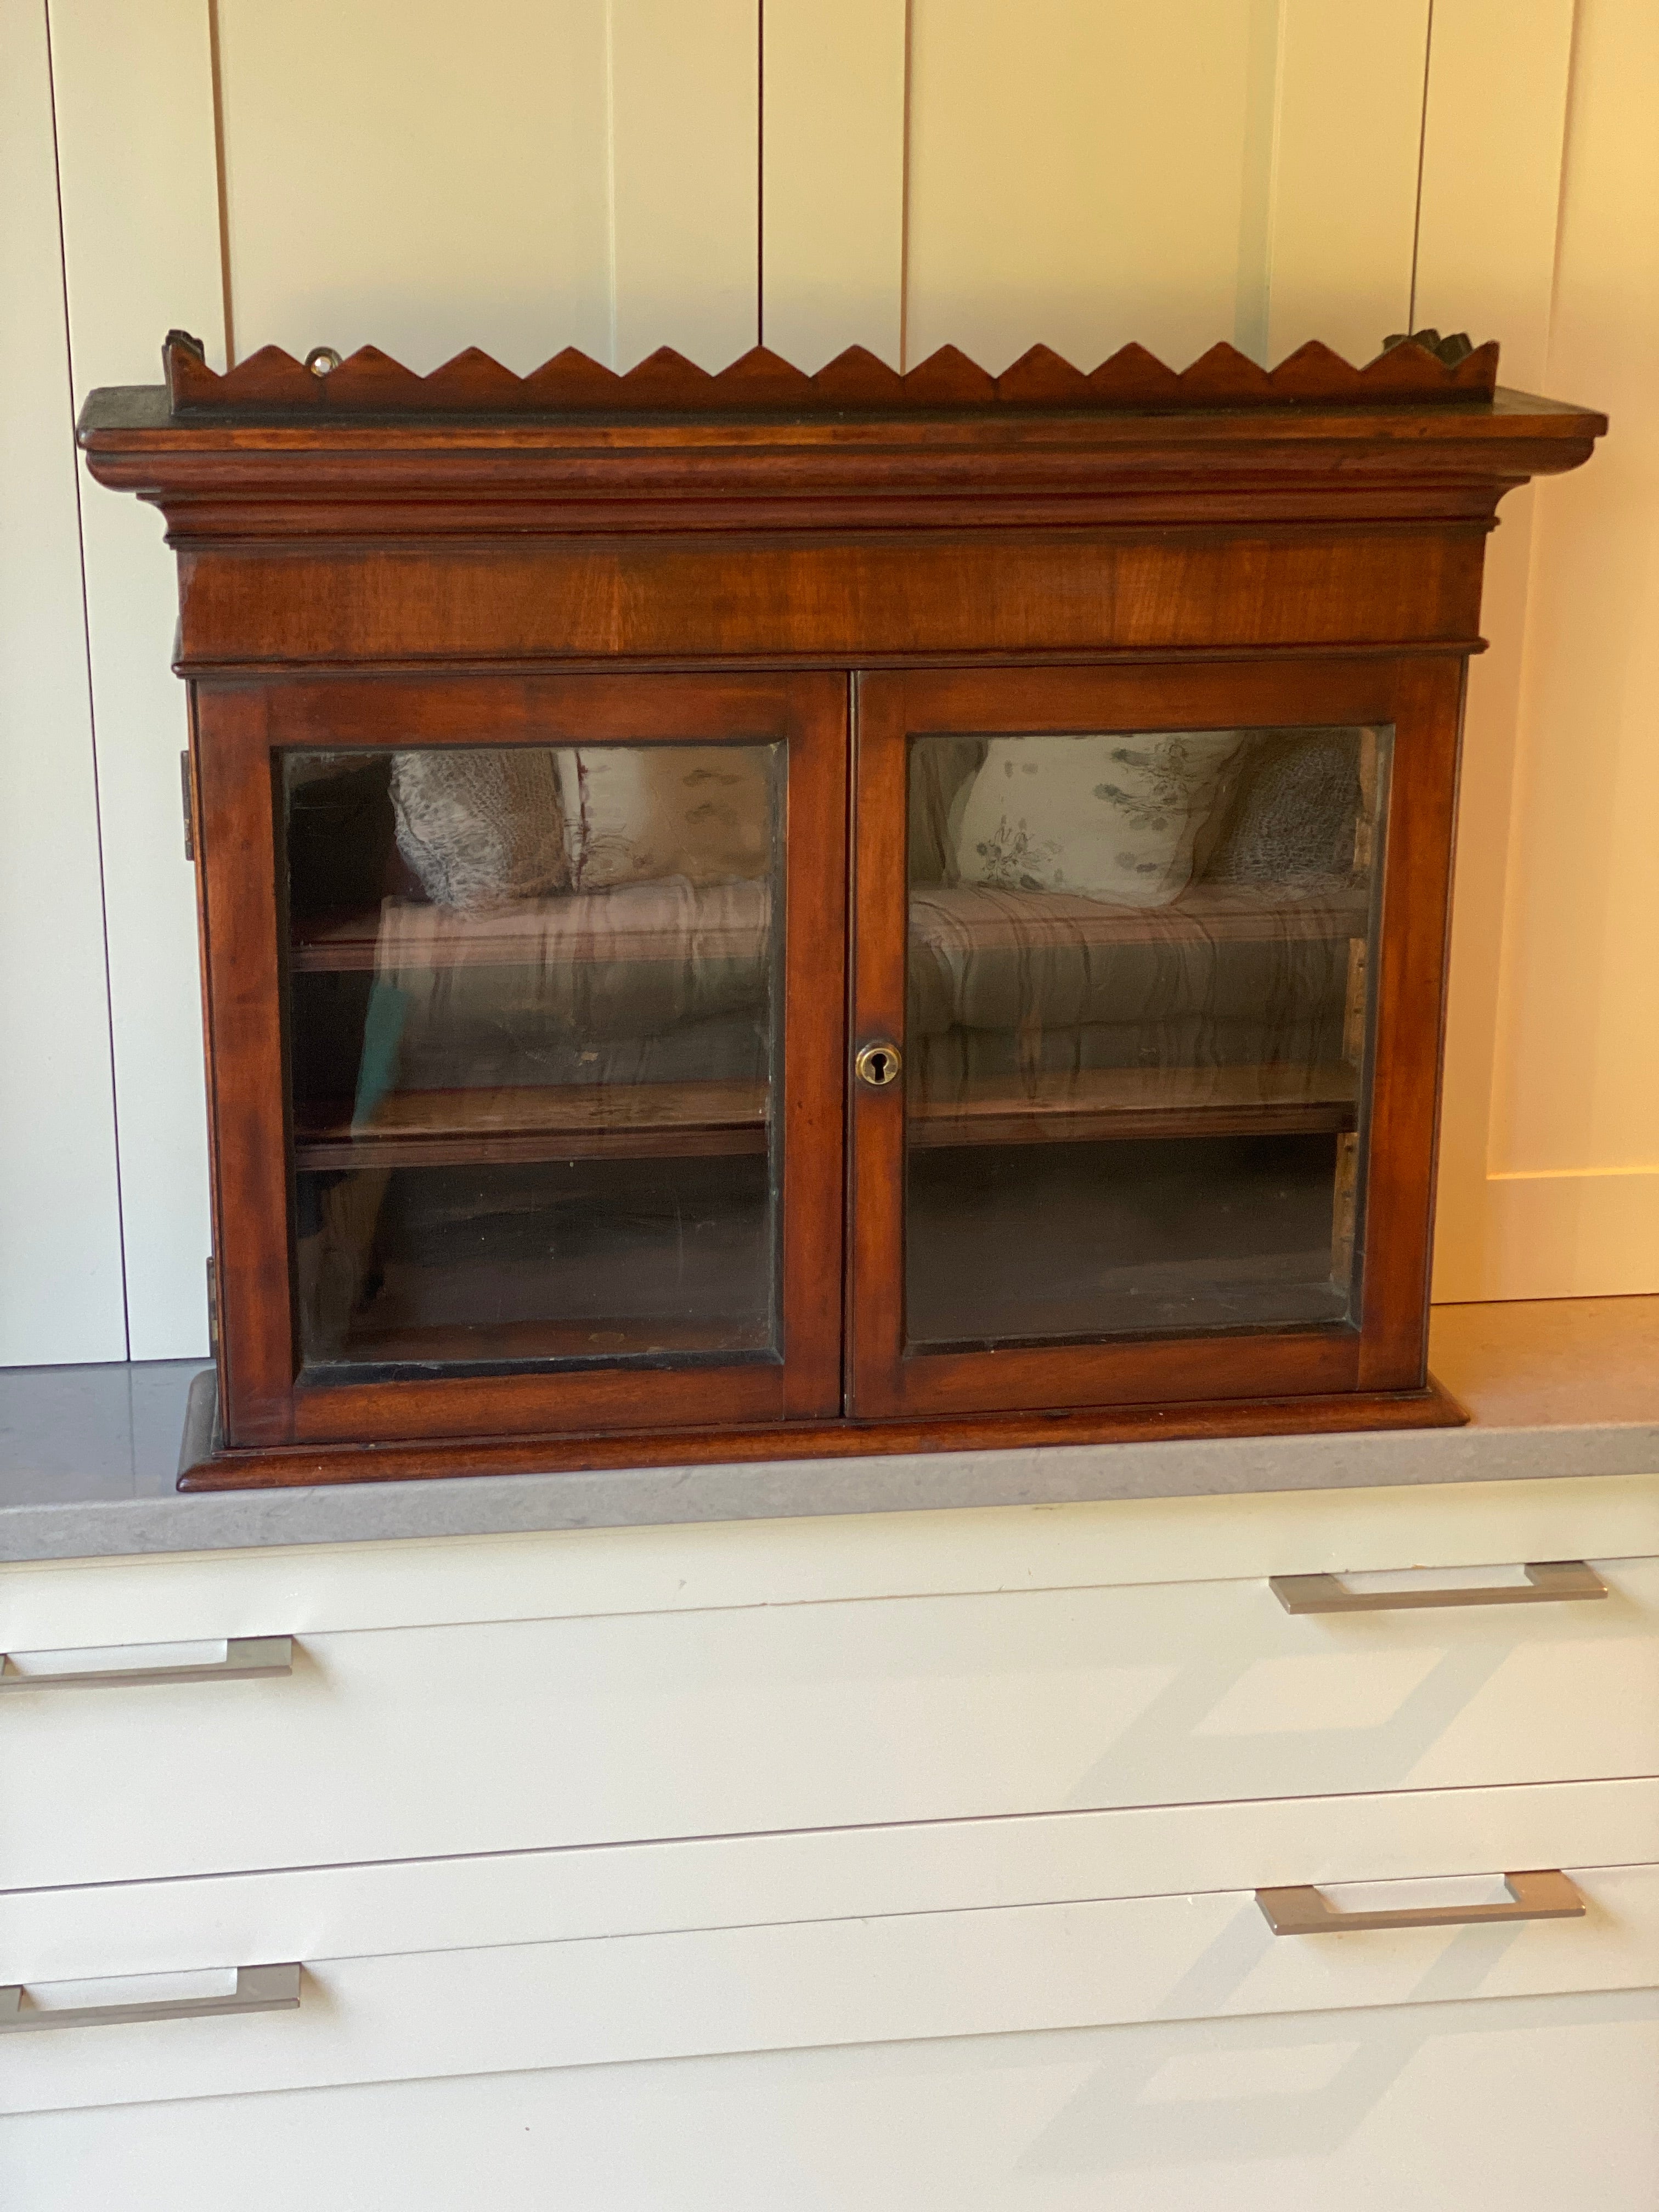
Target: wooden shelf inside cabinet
pixel 959 917
pixel 331 944
pixel 644 923
pixel 349 942
pixel 1122 1103
pixel 533 1343
pixel 452 1129
pixel 457 1128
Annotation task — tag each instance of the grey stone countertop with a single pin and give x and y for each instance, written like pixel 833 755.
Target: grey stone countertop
pixel 1559 1387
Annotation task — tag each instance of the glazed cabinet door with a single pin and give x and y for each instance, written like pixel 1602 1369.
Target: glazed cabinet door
pixel 1147 1014
pixel 544 976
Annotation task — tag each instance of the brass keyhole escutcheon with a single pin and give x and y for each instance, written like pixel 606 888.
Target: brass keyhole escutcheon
pixel 878 1064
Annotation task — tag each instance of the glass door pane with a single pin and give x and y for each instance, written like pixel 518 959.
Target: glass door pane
pixel 1138 1012
pixel 534 1039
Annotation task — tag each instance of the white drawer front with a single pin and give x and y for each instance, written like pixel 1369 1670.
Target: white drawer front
pixel 309 1590
pixel 134 1929
pixel 1527 2104
pixel 517 1734
pixel 915 1978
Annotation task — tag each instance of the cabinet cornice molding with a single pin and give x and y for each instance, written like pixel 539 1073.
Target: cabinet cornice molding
pixel 274 452
pixel 1423 370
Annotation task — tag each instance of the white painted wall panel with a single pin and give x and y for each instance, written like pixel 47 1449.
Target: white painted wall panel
pixel 133 87
pixel 1075 176
pixel 412 176
pixel 1082 171
pixel 832 192
pixel 1485 263
pixel 685 151
pixel 1344 172
pixel 1576 1098
pixel 60 1230
pixel 1494 123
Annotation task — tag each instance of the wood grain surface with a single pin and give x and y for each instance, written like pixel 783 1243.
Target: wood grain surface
pixel 371 560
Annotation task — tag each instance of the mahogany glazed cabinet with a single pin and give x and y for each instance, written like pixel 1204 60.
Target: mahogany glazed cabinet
pixel 765 913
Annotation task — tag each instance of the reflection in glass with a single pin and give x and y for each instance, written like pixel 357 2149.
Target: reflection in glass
pixel 1138 1020
pixel 534 1040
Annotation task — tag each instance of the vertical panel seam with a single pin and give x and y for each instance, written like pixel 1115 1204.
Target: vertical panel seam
pixel 904 197
pixel 1259 190
pixel 610 167
pixel 1519 783
pixel 92 711
pixel 1275 150
pixel 760 172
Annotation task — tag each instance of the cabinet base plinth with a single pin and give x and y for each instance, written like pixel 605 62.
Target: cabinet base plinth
pixel 209 1464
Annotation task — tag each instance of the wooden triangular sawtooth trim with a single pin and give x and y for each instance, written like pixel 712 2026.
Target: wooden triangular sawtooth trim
pixel 370 383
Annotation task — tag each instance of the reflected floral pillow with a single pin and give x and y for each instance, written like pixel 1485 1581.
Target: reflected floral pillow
pixel 643 813
pixel 1109 816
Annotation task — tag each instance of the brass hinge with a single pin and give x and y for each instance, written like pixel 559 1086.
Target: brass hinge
pixel 213 1311
pixel 189 809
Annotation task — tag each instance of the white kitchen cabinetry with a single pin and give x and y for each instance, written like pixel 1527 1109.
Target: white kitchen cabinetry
pixel 505 1735
pixel 909 1859
pixel 1524 2105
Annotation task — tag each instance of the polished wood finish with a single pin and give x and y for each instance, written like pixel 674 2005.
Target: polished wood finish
pixel 1420 698
pixel 1119 1103
pixel 294 1466
pixel 429 1128
pixel 947 595
pixel 252 1260
pixel 268 1398
pixel 369 382
pixel 372 559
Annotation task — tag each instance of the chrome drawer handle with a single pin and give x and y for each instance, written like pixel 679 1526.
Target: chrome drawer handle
pixel 1549 1582
pixel 258 1989
pixel 246 1656
pixel 1545 1895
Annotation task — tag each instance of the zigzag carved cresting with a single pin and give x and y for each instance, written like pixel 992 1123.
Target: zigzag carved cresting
pixel 370 383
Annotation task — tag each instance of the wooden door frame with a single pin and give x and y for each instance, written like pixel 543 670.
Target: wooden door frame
pixel 1421 697
pixel 240 728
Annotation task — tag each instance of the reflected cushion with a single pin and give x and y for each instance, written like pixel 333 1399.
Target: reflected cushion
pixel 480 826
pixel 643 813
pixel 1296 815
pixel 1105 816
